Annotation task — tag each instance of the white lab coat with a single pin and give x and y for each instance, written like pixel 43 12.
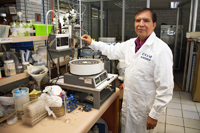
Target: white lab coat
pixel 148 84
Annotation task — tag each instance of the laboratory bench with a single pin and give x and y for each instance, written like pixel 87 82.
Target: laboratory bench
pixel 80 122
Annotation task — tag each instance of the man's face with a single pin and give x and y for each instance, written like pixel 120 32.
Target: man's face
pixel 144 25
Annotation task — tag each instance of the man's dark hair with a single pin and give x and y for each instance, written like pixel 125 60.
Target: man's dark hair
pixel 153 14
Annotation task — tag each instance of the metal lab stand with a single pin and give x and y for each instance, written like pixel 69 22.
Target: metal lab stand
pixel 51 54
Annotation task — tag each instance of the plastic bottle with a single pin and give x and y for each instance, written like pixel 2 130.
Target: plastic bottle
pixel 95 129
pixel 21 29
pixel 28 28
pixel 32 29
pixel 14 29
pixel 9 67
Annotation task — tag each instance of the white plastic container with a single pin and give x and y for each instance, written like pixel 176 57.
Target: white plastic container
pixel 21 96
pixel 4 30
pixel 9 67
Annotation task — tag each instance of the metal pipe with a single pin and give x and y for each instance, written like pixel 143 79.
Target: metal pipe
pixel 48 7
pixel 49 65
pixel 123 20
pixel 148 3
pixel 25 4
pixel 52 8
pixel 195 16
pixel 187 49
pixel 190 20
pixel 43 12
pixel 176 37
pixel 58 7
pixel 101 31
pixel 80 22
pixel 47 21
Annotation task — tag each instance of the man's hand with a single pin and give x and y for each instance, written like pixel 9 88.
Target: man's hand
pixel 151 123
pixel 87 39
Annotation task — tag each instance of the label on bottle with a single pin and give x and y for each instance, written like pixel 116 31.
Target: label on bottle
pixel 14 32
pixel 28 31
pixel 21 32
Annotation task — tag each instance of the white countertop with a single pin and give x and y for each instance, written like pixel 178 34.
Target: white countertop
pixel 80 122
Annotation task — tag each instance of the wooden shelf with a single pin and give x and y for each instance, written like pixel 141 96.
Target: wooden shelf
pixel 22 39
pixel 13 78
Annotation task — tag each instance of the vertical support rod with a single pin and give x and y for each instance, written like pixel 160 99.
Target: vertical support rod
pixel 195 15
pixel 80 21
pixel 187 49
pixel 25 5
pixel 101 32
pixel 123 20
pixel 58 6
pixel 190 20
pixel 148 3
pixel 48 62
pixel 176 37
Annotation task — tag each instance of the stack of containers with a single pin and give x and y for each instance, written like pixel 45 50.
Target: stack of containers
pixel 34 111
pixel 58 111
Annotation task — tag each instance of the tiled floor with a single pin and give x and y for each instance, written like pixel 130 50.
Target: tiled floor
pixel 182 115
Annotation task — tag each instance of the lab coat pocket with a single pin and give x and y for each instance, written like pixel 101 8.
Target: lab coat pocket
pixel 138 105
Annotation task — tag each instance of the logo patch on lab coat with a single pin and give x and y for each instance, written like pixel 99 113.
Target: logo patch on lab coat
pixel 146 57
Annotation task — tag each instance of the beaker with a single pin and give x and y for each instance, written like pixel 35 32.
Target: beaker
pixel 20 96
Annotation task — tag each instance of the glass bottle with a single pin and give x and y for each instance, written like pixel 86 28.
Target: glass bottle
pixel 20 69
pixel 14 29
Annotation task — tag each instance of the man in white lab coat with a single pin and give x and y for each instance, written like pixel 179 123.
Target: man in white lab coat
pixel 148 84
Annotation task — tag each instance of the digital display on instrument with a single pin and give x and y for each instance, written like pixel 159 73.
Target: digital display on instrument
pixel 97 80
